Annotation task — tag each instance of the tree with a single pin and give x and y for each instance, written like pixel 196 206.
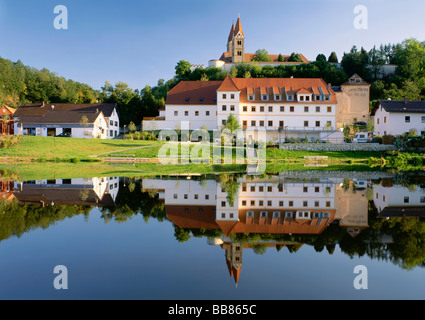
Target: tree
pixel 295 57
pixel 321 58
pixel 356 62
pixel 333 57
pixel 183 69
pixel 261 55
pixel 232 124
pixel 280 58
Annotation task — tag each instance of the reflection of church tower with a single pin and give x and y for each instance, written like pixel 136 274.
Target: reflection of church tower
pixel 233 256
pixel 236 42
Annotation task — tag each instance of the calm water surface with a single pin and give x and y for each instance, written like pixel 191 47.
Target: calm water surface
pixel 216 237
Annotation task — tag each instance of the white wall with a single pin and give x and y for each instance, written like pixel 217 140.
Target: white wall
pixel 394 123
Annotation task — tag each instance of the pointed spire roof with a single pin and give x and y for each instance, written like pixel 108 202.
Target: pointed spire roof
pixel 238 27
pixel 232 33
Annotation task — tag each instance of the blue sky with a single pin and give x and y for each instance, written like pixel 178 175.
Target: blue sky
pixel 139 42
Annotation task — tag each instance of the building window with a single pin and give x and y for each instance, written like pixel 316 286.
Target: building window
pixel 245 123
pixel 260 189
pixel 329 109
pixel 176 113
pixel 245 109
pixel 270 123
pixel 316 204
pixel 423 119
pixel 317 109
pixel 305 123
pixel 223 122
pixel 260 203
pixel 252 188
pixel 406 199
pixel 252 109
pixel 223 107
pixel 261 123
pixel 377 121
pixel 111 133
pixel 305 203
pixel 265 97
pixel 385 119
pixel 251 97
pixel 317 97
pixel 186 113
pixel 316 189
pixel 223 215
pixel 329 124
pixel 305 109
pixel 175 196
pixel 207 197
pixel 407 119
pixel 269 203
pixel 195 196
pixel 270 109
pixel 224 96
pixel 223 204
pixel 253 123
pixel 252 203
pixel 317 123
pixel 277 97
pixel 232 96
pixel 231 215
pixel 196 113
pixel 239 42
pixel 290 203
pixel 301 98
pixel 207 113
pixel 111 123
pixel 185 196
pixel 280 203
pixel 232 108
pixel 261 109
pixel 282 109
pixel 291 109
pixel 307 98
pixel 305 189
pixel 239 53
pixel 281 124
pixel 243 203
pixel 328 204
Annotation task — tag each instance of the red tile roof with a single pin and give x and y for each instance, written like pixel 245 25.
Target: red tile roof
pixel 191 92
pixel 227 57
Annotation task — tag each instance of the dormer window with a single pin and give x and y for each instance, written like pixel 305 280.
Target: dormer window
pixel 251 97
pixel 301 98
pixel 318 97
pixel 264 97
pixel 290 97
pixel 307 98
pixel 277 97
pixel 327 97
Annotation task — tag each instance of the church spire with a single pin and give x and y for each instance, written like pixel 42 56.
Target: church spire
pixel 238 28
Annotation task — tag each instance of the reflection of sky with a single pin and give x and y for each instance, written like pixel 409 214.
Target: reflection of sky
pixel 144 261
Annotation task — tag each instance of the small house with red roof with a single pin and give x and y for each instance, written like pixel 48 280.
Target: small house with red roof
pixel 7 120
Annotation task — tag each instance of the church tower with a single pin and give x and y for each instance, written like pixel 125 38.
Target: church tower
pixel 236 43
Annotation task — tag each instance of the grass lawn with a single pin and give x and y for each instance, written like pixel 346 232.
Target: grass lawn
pixel 68 148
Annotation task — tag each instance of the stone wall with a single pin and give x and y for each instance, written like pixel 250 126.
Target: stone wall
pixel 336 147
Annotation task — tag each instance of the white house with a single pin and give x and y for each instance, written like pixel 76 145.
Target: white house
pixel 78 120
pixel 398 117
pixel 281 107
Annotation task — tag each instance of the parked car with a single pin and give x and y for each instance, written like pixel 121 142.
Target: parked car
pixel 64 134
pixel 362 137
pixel 360 123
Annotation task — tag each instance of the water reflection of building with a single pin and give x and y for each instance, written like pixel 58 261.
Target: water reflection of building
pixel 391 200
pixel 100 192
pixel 273 205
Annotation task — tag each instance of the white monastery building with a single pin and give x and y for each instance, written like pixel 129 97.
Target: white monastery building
pixel 281 107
